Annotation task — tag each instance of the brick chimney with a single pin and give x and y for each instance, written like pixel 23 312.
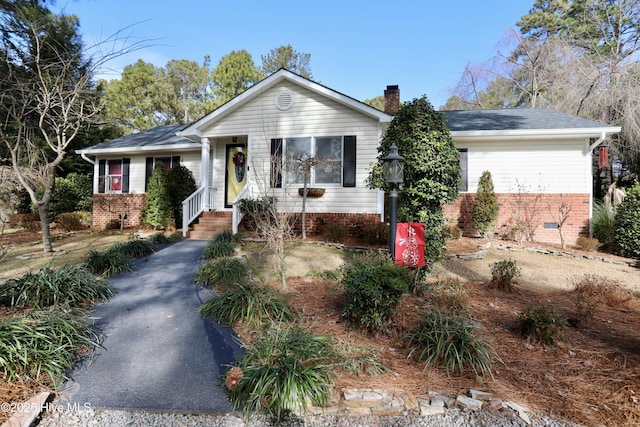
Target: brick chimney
pixel 391 99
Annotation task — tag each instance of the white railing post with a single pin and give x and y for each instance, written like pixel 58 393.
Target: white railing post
pixel 237 215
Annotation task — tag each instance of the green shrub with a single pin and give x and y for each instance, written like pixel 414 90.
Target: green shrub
pixel 540 324
pixel 157 210
pixel 71 284
pixel 372 293
pixel 107 263
pixel 227 237
pixel 223 271
pixel 43 341
pixel 589 244
pixel 134 248
pixel 71 193
pixel 450 339
pixel 375 233
pixel 283 371
pixel 181 185
pixel 503 274
pixel 627 224
pixel 218 249
pixel 604 224
pixel 334 232
pixel 485 209
pixel 252 303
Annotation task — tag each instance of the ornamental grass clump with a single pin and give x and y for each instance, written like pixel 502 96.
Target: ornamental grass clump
pixel 158 239
pixel 224 272
pixel 282 371
pixel 253 304
pixel 218 249
pixel 43 342
pixel 372 292
pixel 107 263
pixel 70 284
pixel 134 248
pixel 450 339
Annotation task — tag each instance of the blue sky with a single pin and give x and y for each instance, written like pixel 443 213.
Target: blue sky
pixel 357 47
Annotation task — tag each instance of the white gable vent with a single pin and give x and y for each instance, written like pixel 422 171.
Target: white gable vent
pixel 284 101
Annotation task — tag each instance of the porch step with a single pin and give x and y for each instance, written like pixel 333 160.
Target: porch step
pixel 209 224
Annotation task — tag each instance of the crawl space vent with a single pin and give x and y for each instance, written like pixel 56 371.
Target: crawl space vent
pixel 284 101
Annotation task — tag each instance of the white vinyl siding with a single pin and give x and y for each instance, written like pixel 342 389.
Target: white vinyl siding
pixel 536 166
pixel 314 115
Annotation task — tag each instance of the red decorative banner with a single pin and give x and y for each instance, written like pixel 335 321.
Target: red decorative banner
pixel 409 244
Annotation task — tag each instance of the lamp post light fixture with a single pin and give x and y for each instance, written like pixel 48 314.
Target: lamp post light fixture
pixel 393 174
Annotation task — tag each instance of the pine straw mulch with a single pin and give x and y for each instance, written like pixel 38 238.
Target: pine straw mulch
pixel 591 377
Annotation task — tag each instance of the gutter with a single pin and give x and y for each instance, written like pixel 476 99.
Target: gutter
pixel 84 157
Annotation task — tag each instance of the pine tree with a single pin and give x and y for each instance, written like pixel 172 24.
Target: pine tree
pixel 157 211
pixel 486 209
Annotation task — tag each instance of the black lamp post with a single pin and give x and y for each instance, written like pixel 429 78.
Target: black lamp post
pixel 392 173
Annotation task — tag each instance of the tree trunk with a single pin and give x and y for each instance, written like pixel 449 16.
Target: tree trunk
pixel 304 208
pixel 43 211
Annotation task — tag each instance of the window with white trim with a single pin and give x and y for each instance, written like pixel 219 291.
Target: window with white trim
pixel 114 176
pixel 321 157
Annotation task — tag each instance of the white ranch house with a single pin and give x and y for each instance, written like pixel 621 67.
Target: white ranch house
pixel 232 152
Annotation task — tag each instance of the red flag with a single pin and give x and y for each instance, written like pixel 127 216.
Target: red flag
pixel 409 244
pixel 603 157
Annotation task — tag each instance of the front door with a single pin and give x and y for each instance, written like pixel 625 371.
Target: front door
pixel 236 172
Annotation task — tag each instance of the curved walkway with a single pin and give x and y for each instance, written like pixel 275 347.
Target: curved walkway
pixel 159 354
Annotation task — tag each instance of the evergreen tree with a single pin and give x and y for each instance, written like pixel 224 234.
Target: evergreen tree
pixel 626 238
pixel 157 211
pixel 286 57
pixel 485 209
pixel 181 185
pixel 431 172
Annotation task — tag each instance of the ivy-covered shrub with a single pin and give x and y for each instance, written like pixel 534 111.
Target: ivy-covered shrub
pixel 181 185
pixel 485 209
pixel 431 172
pixel 627 224
pixel 372 292
pixel 157 211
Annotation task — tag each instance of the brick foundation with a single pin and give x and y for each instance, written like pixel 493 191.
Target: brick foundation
pixel 577 224
pixel 107 209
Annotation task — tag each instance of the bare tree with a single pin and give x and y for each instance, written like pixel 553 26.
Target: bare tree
pixel 561 216
pixel 48 96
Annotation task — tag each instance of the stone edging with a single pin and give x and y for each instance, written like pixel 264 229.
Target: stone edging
pixel 361 402
pixel 630 263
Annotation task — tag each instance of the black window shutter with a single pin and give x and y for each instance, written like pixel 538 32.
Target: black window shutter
pixel 464 164
pixel 175 161
pixel 125 175
pixel 276 163
pixel 101 181
pixel 148 172
pixel 349 161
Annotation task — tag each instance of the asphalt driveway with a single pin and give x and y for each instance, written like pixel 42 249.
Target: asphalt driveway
pixel 159 353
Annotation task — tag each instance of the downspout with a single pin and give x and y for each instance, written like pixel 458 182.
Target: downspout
pixel 590 148
pixel 84 157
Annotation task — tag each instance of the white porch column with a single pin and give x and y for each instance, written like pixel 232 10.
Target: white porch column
pixel 204 171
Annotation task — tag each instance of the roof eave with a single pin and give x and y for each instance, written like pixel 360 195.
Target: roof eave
pixel 540 134
pixel 146 148
pixel 195 131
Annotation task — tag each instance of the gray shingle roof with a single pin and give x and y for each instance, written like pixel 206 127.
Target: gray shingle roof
pixel 157 137
pixel 515 119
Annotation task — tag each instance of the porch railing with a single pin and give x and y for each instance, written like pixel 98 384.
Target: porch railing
pixel 195 204
pixel 237 214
